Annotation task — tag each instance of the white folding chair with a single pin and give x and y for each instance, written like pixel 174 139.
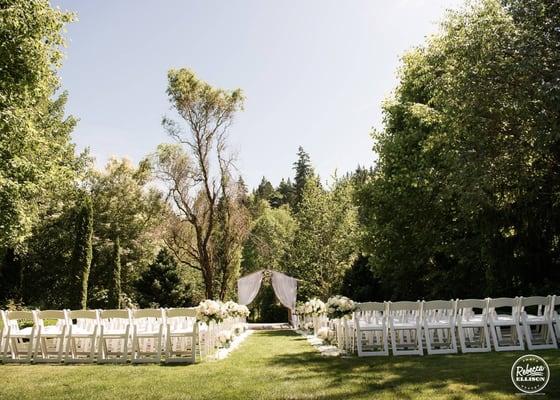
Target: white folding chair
pixel 114 336
pixel 181 335
pixel 438 319
pixel 472 325
pixel 147 335
pixel 503 318
pixel 405 327
pixel 537 326
pixel 18 341
pixel 82 338
pixel 50 339
pixel 371 329
pixel 555 316
pixel 3 330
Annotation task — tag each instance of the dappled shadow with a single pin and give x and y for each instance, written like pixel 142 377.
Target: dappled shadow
pixel 485 375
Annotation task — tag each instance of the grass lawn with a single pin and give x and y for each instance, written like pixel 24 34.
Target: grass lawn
pixel 280 365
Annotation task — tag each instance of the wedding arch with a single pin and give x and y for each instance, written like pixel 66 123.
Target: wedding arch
pixel 285 288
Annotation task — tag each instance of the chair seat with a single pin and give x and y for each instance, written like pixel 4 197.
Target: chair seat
pixel 404 325
pixel 365 326
pixel 182 331
pixel 77 331
pixel 148 333
pixel 51 330
pixel 21 333
pixel 472 321
pixel 503 320
pixel 443 323
pixel 114 332
pixel 536 319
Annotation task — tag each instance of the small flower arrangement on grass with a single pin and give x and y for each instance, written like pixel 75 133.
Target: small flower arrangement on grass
pixel 340 307
pixel 211 310
pixel 224 338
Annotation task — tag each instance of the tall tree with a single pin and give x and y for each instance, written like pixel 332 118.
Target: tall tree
pixel 161 285
pixel 82 253
pixel 463 200
pixel 269 241
pixel 128 224
pixel 36 154
pixel 324 244
pixel 198 174
pixel 304 171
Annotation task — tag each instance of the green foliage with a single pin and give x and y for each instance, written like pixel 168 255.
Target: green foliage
pixel 324 244
pixel 36 155
pixel 464 199
pixel 129 211
pixel 115 290
pixel 269 240
pixel 82 253
pixel 160 285
pixel 304 171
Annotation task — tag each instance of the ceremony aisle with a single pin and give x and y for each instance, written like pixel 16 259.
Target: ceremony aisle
pixel 279 365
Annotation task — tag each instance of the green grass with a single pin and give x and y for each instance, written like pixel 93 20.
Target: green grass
pixel 280 365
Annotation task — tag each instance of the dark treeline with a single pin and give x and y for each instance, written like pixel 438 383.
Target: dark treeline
pixel 463 199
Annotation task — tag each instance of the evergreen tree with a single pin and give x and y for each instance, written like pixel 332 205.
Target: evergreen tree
pixel 265 190
pixel 304 171
pixel 82 253
pixel 160 285
pixel 286 192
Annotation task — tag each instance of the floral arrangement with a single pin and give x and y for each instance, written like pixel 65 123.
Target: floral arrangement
pixel 314 307
pixel 211 310
pixel 235 310
pixel 224 337
pixel 340 307
pixel 323 334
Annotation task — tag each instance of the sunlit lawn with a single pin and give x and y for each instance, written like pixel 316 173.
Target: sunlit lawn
pixel 280 365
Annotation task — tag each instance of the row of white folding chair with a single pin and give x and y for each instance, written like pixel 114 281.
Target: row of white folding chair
pixel 105 333
pixel 403 320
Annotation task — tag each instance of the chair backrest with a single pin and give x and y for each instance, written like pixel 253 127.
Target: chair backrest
pixel 439 305
pixel 405 306
pixel 503 302
pixel 148 313
pixel 554 301
pixel 19 319
pixel 471 305
pixel 114 319
pixel 82 314
pixel 181 312
pixel 372 306
pixel 541 303
pixel 58 315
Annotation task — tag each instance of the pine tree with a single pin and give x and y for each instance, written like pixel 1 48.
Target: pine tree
pixel 82 252
pixel 304 171
pixel 160 285
pixel 286 191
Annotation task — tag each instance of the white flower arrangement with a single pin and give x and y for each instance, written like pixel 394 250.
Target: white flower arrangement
pixel 308 326
pixel 211 310
pixel 314 307
pixel 323 333
pixel 224 337
pixel 235 310
pixel 340 307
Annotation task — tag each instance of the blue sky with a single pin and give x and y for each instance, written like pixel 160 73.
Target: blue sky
pixel 314 73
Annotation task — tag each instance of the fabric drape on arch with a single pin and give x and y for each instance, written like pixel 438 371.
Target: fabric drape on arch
pixel 248 287
pixel 285 288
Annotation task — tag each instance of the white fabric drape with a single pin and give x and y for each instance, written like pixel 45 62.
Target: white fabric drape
pixel 285 288
pixel 248 287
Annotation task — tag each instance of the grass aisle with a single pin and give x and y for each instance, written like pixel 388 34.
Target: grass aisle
pixel 279 365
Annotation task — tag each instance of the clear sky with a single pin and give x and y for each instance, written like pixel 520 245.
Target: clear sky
pixel 314 73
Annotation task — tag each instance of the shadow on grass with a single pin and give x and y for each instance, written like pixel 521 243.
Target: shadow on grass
pixel 459 376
